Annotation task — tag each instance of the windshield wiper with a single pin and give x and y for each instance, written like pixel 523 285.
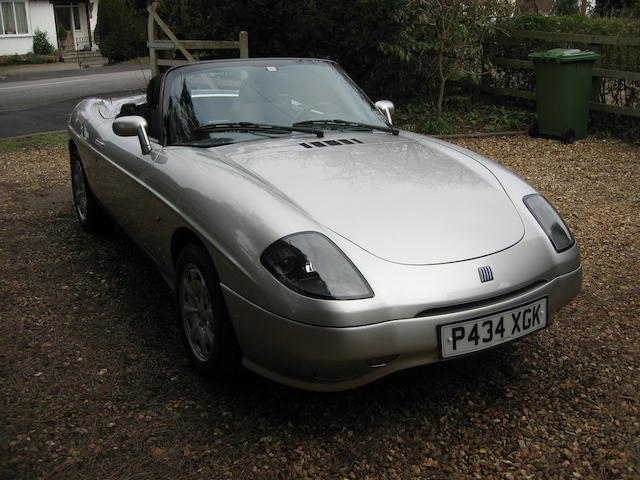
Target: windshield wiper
pixel 249 126
pixel 346 123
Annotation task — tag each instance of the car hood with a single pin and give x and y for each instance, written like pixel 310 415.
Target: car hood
pixel 402 200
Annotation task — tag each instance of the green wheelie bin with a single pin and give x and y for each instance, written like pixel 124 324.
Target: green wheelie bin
pixel 563 92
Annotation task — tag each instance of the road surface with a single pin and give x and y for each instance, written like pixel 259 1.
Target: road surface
pixel 44 104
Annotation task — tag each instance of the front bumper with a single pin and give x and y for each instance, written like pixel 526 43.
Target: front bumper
pixel 332 359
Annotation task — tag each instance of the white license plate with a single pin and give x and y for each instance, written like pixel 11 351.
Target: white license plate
pixel 461 338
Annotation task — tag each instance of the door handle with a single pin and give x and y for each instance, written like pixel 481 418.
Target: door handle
pixel 99 142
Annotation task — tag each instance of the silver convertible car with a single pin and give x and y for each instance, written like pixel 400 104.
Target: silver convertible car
pixel 308 239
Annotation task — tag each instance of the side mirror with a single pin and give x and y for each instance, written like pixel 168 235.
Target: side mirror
pixel 386 107
pixel 133 126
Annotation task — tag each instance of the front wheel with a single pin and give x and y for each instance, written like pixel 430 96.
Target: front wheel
pixel 89 213
pixel 204 322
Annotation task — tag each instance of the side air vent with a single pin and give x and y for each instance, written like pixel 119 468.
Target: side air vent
pixel 331 143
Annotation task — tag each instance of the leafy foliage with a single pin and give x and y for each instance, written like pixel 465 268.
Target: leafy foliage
pixel 445 37
pixel 121 29
pixel 464 115
pixel 566 7
pixel 26 59
pixel 41 44
pixel 624 8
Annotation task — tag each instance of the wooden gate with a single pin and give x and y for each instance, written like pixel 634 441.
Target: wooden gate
pixel 171 45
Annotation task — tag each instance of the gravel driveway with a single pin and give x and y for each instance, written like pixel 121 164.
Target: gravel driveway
pixel 94 383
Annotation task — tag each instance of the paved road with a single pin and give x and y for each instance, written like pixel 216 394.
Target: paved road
pixel 32 102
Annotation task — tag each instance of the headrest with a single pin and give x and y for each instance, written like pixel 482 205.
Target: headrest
pixel 153 90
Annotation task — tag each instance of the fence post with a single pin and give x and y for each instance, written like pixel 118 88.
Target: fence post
pixel 152 36
pixel 244 44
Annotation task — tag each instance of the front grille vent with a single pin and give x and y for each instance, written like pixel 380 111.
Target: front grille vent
pixel 461 307
pixel 331 143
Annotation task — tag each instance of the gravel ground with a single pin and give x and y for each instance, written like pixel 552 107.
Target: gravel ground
pixel 94 383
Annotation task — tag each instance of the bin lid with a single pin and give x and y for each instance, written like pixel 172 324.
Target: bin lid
pixel 561 55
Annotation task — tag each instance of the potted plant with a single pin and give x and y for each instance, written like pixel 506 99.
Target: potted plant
pixel 62 37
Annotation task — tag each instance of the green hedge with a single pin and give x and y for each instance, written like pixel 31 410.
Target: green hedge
pixel 121 30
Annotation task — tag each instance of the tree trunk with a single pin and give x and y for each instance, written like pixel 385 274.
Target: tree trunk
pixel 583 7
pixel 443 80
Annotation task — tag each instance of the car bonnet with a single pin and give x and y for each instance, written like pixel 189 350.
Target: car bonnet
pixel 401 200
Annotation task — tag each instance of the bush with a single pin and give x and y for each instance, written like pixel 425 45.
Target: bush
pixel 26 59
pixel 122 30
pixel 41 44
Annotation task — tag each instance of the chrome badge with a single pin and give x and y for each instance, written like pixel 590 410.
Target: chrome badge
pixel 486 274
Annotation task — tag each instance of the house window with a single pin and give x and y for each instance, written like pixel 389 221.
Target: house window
pixel 13 18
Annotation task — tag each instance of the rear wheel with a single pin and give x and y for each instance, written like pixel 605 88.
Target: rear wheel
pixel 90 215
pixel 204 322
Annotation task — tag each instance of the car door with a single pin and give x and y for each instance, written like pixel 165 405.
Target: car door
pixel 124 173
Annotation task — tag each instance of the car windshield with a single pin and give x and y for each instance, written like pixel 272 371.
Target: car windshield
pixel 222 103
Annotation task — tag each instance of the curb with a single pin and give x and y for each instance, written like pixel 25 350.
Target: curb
pixel 32 135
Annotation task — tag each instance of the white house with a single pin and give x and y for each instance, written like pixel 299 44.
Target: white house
pixel 69 25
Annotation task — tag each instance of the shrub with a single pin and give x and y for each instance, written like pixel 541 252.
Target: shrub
pixel 445 37
pixel 121 30
pixel 41 44
pixel 28 58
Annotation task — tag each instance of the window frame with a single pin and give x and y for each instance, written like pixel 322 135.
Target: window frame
pixel 15 19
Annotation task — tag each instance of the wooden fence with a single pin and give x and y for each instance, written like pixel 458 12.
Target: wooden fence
pixel 188 48
pixel 594 42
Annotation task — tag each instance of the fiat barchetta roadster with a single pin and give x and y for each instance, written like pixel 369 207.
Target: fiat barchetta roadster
pixel 307 238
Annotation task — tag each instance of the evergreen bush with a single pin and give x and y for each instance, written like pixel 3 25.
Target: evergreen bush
pixel 41 44
pixel 121 29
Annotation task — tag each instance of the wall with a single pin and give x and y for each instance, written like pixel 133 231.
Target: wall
pixel 93 20
pixel 40 16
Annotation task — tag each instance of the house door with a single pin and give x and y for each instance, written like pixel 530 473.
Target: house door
pixel 68 26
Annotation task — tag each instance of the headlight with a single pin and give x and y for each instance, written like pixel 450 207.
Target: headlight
pixel 312 265
pixel 550 221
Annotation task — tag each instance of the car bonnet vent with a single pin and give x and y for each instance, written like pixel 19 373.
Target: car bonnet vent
pixel 331 143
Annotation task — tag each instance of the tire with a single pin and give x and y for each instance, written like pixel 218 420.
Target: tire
pixel 569 136
pixel 533 130
pixel 91 217
pixel 204 324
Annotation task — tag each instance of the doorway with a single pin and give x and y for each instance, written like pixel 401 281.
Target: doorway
pixel 69 27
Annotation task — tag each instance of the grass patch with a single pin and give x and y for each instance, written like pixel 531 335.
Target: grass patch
pixel 17 144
